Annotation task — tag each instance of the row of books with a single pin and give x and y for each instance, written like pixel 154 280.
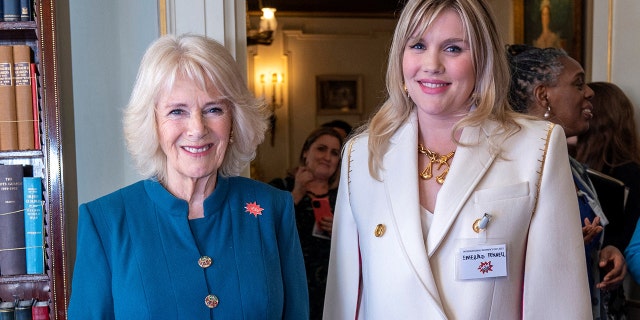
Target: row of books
pixel 24 310
pixel 16 10
pixel 19 124
pixel 21 221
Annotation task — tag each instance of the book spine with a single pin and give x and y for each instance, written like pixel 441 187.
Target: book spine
pixel 23 310
pixel 11 10
pixel 25 10
pixel 8 127
pixel 12 248
pixel 40 311
pixel 34 104
pixel 33 225
pixel 24 101
pixel 7 310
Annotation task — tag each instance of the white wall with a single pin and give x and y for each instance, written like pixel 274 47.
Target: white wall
pixel 624 69
pixel 107 41
pixel 100 44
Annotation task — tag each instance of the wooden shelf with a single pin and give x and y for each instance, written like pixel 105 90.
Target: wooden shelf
pixel 52 286
pixel 18 30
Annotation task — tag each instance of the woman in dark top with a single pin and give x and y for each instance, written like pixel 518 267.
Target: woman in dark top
pixel 312 181
pixel 611 146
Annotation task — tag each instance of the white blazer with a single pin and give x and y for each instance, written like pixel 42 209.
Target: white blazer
pixel 402 274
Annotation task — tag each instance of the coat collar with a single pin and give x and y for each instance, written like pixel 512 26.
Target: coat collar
pixel 471 162
pixel 400 178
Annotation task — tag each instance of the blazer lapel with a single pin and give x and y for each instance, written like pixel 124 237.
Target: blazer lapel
pixel 400 177
pixel 468 166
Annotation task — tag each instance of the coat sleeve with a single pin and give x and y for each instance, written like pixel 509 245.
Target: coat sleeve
pixel 91 295
pixel 343 279
pixel 296 295
pixel 632 254
pixel 555 275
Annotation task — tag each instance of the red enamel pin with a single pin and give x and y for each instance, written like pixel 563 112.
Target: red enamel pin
pixel 254 208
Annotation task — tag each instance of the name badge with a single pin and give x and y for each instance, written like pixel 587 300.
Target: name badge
pixel 482 262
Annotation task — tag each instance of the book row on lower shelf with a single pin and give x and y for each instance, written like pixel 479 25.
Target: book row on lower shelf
pixel 21 222
pixel 16 10
pixel 19 124
pixel 24 310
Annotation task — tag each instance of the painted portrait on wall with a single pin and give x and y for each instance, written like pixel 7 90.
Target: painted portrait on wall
pixel 550 23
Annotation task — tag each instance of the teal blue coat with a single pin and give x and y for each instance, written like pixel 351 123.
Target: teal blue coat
pixel 137 255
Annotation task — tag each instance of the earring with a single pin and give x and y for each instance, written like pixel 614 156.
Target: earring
pixel 231 137
pixel 406 91
pixel 547 114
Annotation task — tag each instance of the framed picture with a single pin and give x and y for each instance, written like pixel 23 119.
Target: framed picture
pixel 339 94
pixel 551 23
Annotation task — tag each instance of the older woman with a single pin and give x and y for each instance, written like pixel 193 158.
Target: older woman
pixel 450 205
pixel 549 84
pixel 193 240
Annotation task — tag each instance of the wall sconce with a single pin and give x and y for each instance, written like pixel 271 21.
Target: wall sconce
pixel 277 93
pixel 268 25
pixel 276 83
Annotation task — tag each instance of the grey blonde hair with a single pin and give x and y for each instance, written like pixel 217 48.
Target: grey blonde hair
pixel 207 63
pixel 490 65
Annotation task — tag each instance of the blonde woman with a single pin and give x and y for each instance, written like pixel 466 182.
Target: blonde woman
pixel 450 205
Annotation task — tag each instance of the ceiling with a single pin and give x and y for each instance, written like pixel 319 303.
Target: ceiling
pixel 346 8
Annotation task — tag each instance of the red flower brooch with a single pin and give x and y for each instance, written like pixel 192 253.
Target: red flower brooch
pixel 253 208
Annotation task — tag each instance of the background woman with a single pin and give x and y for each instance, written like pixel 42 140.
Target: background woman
pixel 549 84
pixel 450 205
pixel 313 181
pixel 193 240
pixel 611 146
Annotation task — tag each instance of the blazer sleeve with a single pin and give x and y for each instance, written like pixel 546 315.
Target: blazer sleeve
pixel 91 295
pixel 296 295
pixel 343 279
pixel 555 281
pixel 632 254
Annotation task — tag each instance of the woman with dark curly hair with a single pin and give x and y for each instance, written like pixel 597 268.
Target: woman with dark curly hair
pixel 549 84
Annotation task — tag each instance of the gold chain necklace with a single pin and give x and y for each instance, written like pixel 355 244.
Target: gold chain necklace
pixel 441 160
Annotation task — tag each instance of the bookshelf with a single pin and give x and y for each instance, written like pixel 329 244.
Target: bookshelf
pixel 51 286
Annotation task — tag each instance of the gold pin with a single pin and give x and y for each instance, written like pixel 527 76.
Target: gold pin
pixel 481 224
pixel 380 229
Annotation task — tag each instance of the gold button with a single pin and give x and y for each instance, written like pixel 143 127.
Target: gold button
pixel 211 301
pixel 205 262
pixel 380 229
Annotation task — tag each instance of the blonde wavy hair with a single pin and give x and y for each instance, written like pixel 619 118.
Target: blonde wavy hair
pixel 490 65
pixel 205 62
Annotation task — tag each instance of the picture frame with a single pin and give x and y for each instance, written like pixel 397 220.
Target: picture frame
pixel 339 94
pixel 551 23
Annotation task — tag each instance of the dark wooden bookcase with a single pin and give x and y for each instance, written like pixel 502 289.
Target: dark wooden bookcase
pixel 51 286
